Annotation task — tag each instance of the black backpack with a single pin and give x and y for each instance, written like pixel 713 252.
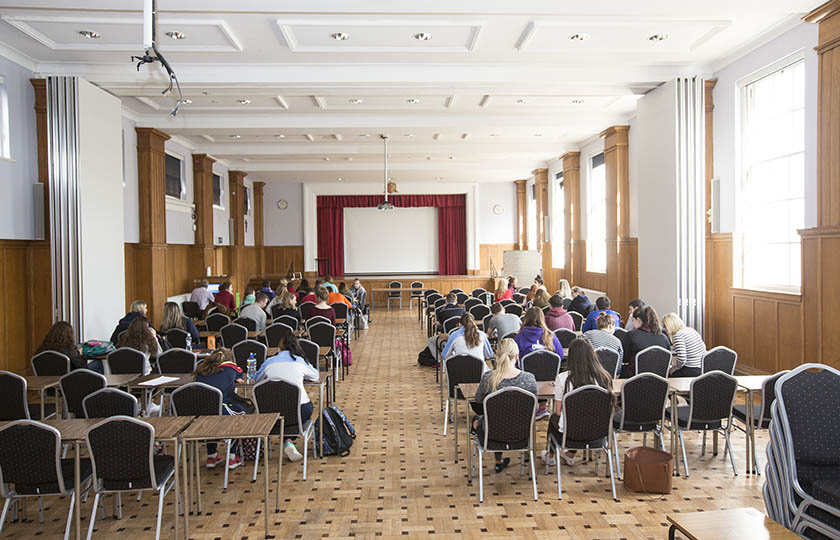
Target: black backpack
pixel 338 433
pixel 426 358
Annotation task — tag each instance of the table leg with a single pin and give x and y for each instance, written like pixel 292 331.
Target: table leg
pixel 197 478
pixel 469 443
pixel 177 485
pixel 77 513
pixel 185 501
pixel 748 423
pixel 267 474
pixel 674 429
pixel 455 423
pixel 320 420
pixel 41 394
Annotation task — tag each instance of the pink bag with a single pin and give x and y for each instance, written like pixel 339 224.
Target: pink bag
pixel 344 351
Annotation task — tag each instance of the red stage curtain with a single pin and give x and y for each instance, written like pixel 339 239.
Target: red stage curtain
pixel 452 227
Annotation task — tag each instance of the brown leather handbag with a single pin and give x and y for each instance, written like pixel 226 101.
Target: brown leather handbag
pixel 648 470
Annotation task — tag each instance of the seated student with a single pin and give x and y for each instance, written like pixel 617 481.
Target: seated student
pixel 358 293
pixel 213 307
pixel 451 309
pixel 201 295
pixel 337 297
pixel 538 281
pixel 289 366
pixel 220 371
pixel 329 284
pixel 308 295
pixel 687 345
pixel 288 305
pixel 256 311
pixel 225 298
pixel 506 374
pixel 141 337
pixel 303 287
pixel 62 339
pixel 138 309
pixel 580 302
pixel 249 298
pixel 501 323
pixel 557 317
pixel 532 293
pixel 322 308
pixel 512 284
pixel 468 339
pixel 503 292
pixel 583 368
pixel 541 298
pixel 290 285
pixel 535 335
pixel 603 335
pixel 274 298
pixel 603 306
pixel 173 318
pixel 342 288
pixel 564 290
pixel 266 288
pixel 646 333
pixel 637 303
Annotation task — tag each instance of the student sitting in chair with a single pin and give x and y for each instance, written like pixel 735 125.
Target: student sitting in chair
pixel 256 311
pixel 603 306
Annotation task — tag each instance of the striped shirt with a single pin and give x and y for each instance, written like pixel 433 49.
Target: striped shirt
pixel 603 339
pixel 689 348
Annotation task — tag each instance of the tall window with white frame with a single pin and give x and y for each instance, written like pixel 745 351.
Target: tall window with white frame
pixel 532 216
pixel 596 218
pixel 217 190
pixel 558 224
pixel 770 200
pixel 175 177
pixel 5 127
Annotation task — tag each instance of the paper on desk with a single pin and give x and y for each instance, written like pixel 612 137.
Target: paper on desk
pixel 158 381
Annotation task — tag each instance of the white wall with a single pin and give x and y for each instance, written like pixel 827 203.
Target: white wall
pixel 727 120
pixel 283 227
pixel 131 201
pixel 492 228
pixel 17 203
pixel 179 222
pixel 221 229
pixel 633 160
pixel 653 155
pixel 101 195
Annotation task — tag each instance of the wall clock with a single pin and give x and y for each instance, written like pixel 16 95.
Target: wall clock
pixel 282 204
pixel 498 209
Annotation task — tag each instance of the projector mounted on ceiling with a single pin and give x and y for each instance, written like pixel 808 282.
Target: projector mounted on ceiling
pixel 151 54
pixel 385 205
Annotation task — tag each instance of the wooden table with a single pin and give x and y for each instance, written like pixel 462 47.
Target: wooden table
pixel 231 427
pixel 41 384
pixel 733 524
pixel 114 381
pixel 204 334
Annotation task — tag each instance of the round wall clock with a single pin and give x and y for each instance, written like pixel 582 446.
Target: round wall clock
pixel 498 209
pixel 282 204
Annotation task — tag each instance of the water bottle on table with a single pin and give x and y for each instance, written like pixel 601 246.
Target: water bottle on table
pixel 252 367
pixel 189 342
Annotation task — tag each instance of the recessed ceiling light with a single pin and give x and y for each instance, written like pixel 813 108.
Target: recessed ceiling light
pixel 236 136
pixel 521 101
pixel 422 36
pixel 438 178
pixel 428 158
pixel 348 158
pixel 339 36
pixel 658 37
pixel 582 36
pixel 577 101
pixel 389 155
pixel 281 136
pixel 356 101
pixel 177 35
pixel 90 34
pixel 494 134
pixel 408 134
pixel 538 134
pixel 339 179
pixel 187 102
pixel 244 101
pixel 451 157
pixel 326 159
pixel 413 101
pixel 364 135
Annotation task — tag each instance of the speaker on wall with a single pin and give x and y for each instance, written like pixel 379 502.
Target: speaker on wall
pixel 38 194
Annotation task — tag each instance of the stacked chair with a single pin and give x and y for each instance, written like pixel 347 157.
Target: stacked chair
pixel 802 474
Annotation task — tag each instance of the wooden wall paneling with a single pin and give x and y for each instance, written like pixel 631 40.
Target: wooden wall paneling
pixel 259 227
pixel 521 215
pixel 237 206
pixel 130 274
pixel 494 252
pixel 765 331
pixel 575 246
pixel 790 335
pixel 39 271
pixel 620 281
pixel 151 169
pixel 721 267
pixel 39 86
pixel 743 312
pixel 541 194
pixel 15 332
pixel 203 194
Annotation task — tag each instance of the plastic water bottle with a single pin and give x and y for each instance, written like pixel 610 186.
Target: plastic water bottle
pixel 252 367
pixel 189 342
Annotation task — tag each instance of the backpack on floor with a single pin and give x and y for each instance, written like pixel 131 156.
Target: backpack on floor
pixel 344 352
pixel 426 358
pixel 338 432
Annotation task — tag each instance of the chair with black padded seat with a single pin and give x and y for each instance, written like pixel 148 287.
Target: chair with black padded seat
pixel 232 334
pixel 456 291
pixel 514 309
pixel 250 324
pixel 620 332
pixel 317 319
pixel 304 308
pixel 508 426
pixel 311 350
pixel 323 334
pixel 653 359
pixel 110 402
pixel 462 298
pixel 288 320
pixel 577 318
pixel 275 333
pixel 470 302
pixel 13 402
pixel 544 364
pixel 394 295
pixel 451 324
pixel 510 336
pixel 216 321
pixel 587 425
pixel 479 312
pixel 485 323
pixel 524 290
pixel 478 292
pixel 123 456
pixel 565 336
pixel 416 292
pixel 719 358
pixel 75 387
pixel 760 412
pixel 488 298
pixel 642 409
pixel 710 401
pixel 242 350
pixel 519 298
pixel 341 311
pixel 566 303
pixel 48 363
pixel 176 361
pixel 610 360
pixel 191 310
pixel 30 461
pixel 457 370
pixel 545 309
pixel 125 361
pixel 177 337
pixel 506 302
pixel 284 398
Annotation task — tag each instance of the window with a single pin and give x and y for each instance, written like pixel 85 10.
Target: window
pixel 174 177
pixel 596 220
pixel 770 204
pixel 5 135
pixel 217 190
pixel 532 217
pixel 247 206
pixel 558 224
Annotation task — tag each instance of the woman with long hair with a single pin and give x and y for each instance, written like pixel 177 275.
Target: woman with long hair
pixel 287 302
pixel 172 318
pixel 468 339
pixel 603 336
pixel 541 298
pixel 564 289
pixel 535 335
pixel 62 339
pixel 141 337
pixel 646 333
pixel 583 368
pixel 506 374
pixel 322 308
pixel 503 292
pixel 687 345
pixel 220 371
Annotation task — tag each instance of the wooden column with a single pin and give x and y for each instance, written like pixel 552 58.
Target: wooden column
pixel 574 243
pixel 521 215
pixel 150 257
pixel 203 254
pixel 40 88
pixel 708 326
pixel 237 251
pixel 821 244
pixel 259 231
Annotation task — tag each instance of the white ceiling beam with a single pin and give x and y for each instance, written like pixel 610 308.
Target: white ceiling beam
pixel 375 147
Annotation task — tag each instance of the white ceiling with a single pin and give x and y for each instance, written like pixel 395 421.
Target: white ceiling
pixel 499 89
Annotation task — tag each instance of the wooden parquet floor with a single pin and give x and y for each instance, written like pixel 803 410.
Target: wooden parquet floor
pixel 400 479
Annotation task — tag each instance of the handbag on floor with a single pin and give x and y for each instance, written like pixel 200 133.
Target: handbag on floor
pixel 648 470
